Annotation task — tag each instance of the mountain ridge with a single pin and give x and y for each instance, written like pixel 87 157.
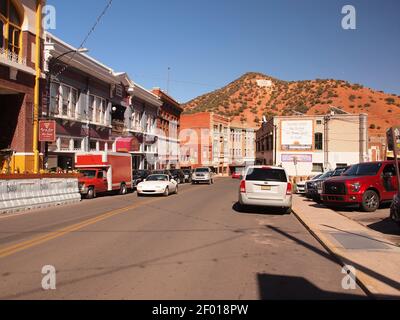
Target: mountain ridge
pixel 254 95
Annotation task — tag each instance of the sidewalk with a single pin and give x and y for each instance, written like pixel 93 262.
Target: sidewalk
pixel 376 259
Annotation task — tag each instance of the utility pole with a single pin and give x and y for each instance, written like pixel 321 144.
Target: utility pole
pixel 38 70
pixel 326 141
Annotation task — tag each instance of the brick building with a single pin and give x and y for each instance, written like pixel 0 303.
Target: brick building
pixel 168 124
pixel 205 141
pixel 18 66
pixel 81 93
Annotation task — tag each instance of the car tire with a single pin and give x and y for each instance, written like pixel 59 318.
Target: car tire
pixel 139 194
pixel 123 190
pixel 287 211
pixel 91 193
pixel 166 192
pixel 370 201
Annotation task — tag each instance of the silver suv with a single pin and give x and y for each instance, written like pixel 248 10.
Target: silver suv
pixel 203 175
pixel 267 187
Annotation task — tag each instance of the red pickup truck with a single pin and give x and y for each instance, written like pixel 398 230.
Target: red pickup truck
pixel 104 172
pixel 366 185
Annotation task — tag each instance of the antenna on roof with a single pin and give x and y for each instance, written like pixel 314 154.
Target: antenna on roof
pixel 168 79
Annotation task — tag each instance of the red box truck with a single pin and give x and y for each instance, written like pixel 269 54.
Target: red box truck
pixel 104 172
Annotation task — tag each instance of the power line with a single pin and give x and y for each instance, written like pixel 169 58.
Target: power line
pixel 92 29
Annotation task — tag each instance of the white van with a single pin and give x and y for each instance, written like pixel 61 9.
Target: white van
pixel 267 187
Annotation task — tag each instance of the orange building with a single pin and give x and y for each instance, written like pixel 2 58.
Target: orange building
pixel 205 141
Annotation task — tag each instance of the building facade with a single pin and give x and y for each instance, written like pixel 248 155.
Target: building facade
pixel 242 146
pixel 80 93
pixel 168 125
pixel 205 141
pixel 309 145
pixel 18 70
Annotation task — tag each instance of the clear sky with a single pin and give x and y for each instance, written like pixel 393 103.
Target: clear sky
pixel 209 43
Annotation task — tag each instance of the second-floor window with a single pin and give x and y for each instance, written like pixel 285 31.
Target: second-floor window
pixel 319 141
pixel 10 27
pixel 63 100
pixel 97 109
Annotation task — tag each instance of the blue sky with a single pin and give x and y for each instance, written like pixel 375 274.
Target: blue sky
pixel 209 43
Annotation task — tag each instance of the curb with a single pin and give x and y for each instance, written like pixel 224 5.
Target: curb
pixel 360 279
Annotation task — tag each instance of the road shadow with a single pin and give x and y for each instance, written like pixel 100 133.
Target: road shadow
pixel 386 226
pixel 280 287
pixel 337 258
pixel 238 208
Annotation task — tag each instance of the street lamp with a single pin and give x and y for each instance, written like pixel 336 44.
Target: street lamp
pixel 52 63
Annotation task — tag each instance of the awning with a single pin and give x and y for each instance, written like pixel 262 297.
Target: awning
pixel 130 144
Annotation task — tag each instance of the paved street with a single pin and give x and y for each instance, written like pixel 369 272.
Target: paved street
pixel 194 245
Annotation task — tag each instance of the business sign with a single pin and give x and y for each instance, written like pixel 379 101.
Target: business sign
pixel 297 135
pixel 393 139
pixel 296 158
pixel 47 131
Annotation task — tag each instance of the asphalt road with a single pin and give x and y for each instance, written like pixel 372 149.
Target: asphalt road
pixel 194 245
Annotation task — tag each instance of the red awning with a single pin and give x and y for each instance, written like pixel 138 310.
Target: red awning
pixel 130 144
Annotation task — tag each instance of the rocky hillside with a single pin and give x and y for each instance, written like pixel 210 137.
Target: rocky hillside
pixel 253 95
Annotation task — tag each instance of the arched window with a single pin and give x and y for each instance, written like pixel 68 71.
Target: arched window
pixel 10 27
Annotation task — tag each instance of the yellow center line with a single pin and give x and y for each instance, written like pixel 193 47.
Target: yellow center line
pixel 7 251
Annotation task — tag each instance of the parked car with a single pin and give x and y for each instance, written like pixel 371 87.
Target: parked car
pixel 335 173
pixel 238 173
pixel 315 185
pixel 309 185
pixel 104 172
pixel 157 184
pixel 266 187
pixel 366 185
pixel 301 187
pixel 178 175
pixel 203 175
pixel 395 210
pixel 188 175
pixel 139 176
pixel 167 172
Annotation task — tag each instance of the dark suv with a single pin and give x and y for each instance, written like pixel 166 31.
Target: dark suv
pixel 366 185
pixel 178 175
pixel 139 176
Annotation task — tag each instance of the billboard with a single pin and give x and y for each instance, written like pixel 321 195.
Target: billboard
pixel 297 135
pixel 308 158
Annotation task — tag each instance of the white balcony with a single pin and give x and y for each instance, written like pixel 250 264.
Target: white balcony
pixel 14 61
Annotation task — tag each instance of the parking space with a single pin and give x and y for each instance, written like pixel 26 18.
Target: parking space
pixel 379 221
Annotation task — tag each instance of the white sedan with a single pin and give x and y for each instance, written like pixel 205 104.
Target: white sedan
pixel 157 184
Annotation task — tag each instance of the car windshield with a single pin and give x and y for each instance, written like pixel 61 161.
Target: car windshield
pixel 186 171
pixel 174 171
pixel 202 170
pixel 88 173
pixel 157 177
pixel 326 175
pixel 339 172
pixel 140 173
pixel 266 174
pixel 317 177
pixel 364 169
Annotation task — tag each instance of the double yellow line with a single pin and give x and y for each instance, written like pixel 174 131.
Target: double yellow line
pixel 10 250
